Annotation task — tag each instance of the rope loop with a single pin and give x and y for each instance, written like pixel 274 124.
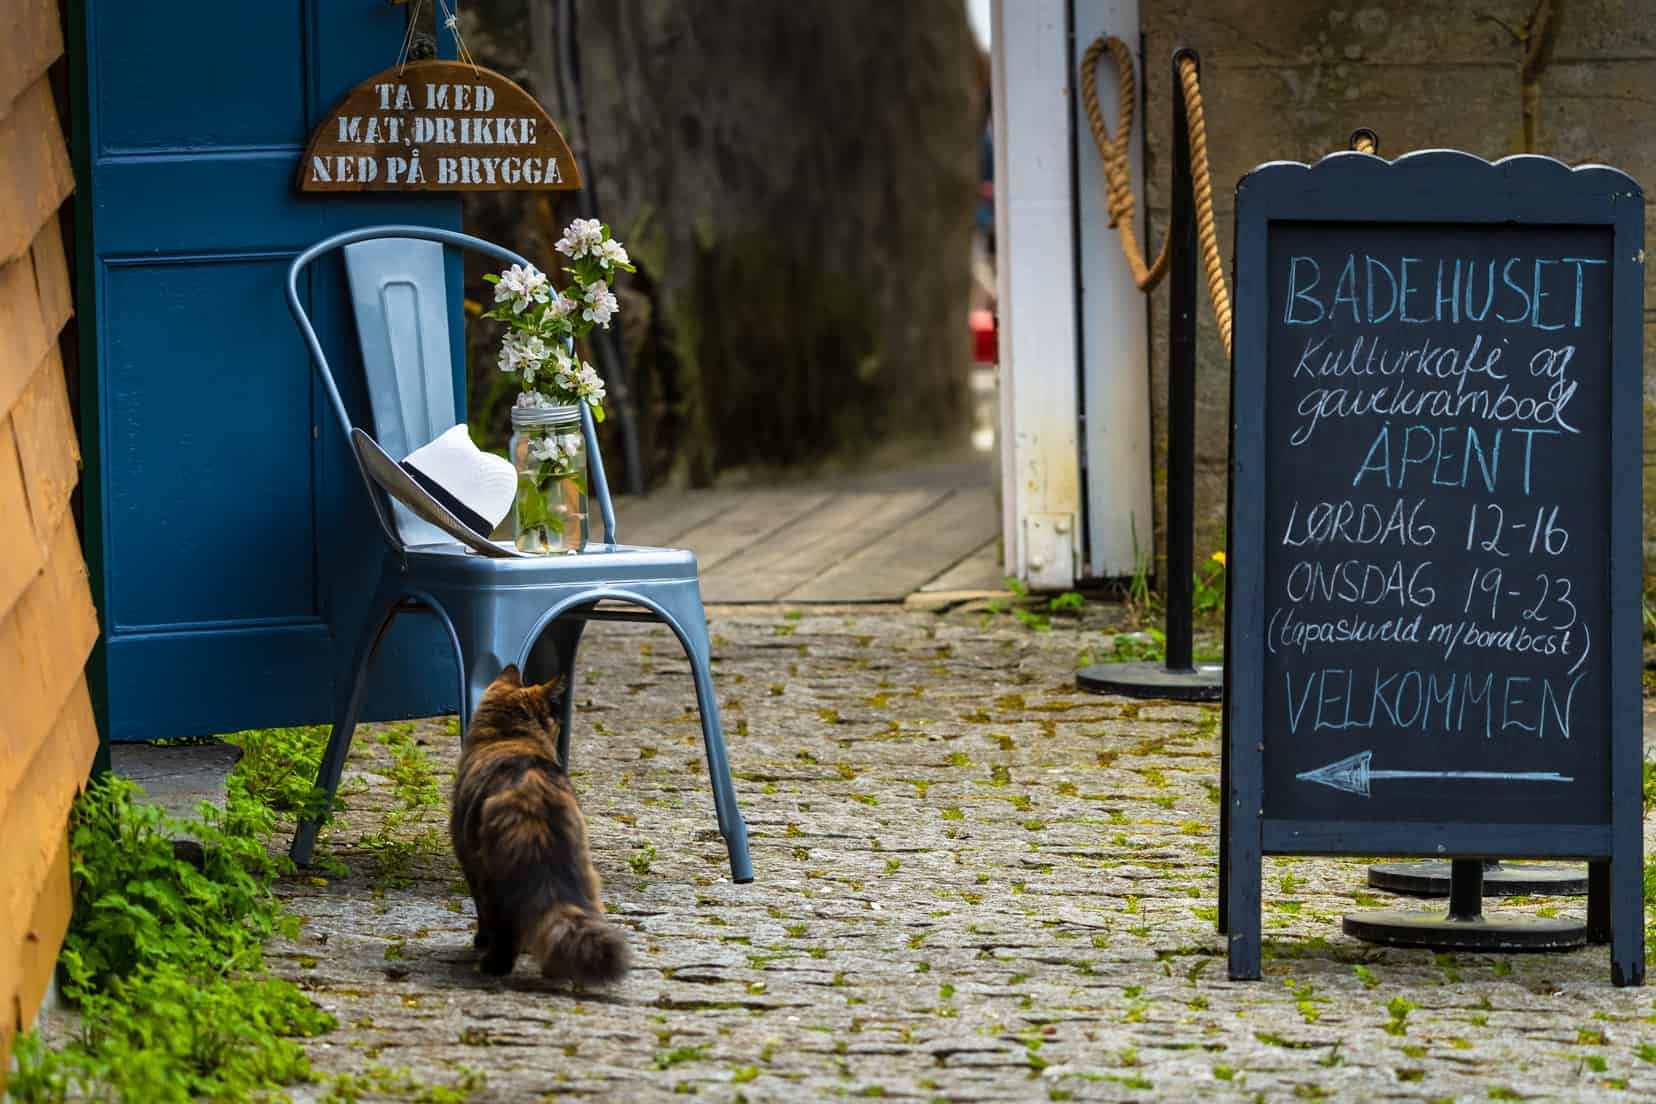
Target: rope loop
pixel 1118 181
pixel 1114 150
pixel 1207 237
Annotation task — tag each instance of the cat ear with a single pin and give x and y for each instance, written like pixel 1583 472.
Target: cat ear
pixel 550 693
pixel 510 675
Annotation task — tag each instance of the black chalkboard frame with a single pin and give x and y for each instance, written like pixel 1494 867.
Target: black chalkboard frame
pixel 1451 187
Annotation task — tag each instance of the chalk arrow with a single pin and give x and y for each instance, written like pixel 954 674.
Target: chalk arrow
pixel 1353 775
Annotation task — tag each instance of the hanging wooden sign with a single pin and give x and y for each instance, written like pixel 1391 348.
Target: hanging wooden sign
pixel 437 126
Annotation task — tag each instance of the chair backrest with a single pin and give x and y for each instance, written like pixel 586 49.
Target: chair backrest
pixel 400 298
pixel 399 294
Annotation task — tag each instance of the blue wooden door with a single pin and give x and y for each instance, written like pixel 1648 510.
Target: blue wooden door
pixel 233 550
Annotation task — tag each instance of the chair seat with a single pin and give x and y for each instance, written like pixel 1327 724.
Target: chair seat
pixel 611 564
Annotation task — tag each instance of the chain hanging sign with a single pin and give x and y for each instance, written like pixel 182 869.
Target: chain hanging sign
pixel 437 126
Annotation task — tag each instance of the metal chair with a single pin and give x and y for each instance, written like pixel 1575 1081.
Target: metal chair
pixel 528 611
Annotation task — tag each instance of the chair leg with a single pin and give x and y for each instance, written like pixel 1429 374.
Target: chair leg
pixel 344 725
pixel 552 655
pixel 693 624
pixel 479 665
pixel 567 641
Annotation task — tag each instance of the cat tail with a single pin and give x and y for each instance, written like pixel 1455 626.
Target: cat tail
pixel 573 944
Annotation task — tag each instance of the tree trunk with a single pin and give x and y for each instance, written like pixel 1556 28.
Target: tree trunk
pixel 796 184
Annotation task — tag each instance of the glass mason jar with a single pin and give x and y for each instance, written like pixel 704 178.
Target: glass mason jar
pixel 549 451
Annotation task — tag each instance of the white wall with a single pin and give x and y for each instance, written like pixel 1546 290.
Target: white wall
pixel 1115 334
pixel 1035 294
pixel 1039 294
pixel 977 14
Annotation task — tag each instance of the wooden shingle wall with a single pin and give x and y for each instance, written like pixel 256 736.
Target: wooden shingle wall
pixel 47 623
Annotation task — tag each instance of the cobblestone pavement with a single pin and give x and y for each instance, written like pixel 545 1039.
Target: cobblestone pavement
pixel 973 883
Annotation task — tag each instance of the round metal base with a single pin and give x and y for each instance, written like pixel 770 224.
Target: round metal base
pixel 1206 682
pixel 1430 878
pixel 1434 929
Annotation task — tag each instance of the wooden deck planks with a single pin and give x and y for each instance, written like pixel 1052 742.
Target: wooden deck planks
pixel 814 544
pixel 659 520
pixel 910 556
pixel 755 518
pixel 874 538
pixel 982 570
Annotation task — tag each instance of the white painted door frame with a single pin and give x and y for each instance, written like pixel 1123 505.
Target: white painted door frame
pixel 1048 185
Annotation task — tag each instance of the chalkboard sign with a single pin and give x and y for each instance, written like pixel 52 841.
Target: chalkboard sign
pixel 1434 644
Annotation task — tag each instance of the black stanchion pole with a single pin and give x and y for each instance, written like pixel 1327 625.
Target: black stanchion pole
pixel 1181 392
pixel 1177 677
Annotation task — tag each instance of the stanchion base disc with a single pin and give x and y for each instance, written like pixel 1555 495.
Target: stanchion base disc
pixel 1430 878
pixel 1434 929
pixel 1206 682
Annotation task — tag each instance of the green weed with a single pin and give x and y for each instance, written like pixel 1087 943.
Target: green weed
pixel 415 793
pixel 279 765
pixel 1398 1008
pixel 377 1082
pixel 165 960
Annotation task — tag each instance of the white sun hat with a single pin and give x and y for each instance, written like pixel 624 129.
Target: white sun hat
pixel 476 486
pixel 450 483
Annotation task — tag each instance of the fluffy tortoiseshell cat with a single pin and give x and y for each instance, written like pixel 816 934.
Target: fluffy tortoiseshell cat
pixel 521 840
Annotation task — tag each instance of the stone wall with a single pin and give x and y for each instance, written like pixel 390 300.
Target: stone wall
pixel 1290 79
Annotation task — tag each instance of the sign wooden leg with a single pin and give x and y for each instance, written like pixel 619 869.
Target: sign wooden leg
pixel 1243 856
pixel 1242 925
pixel 1222 921
pixel 1627 961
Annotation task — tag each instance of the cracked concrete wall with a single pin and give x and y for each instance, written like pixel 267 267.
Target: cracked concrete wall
pixel 1290 79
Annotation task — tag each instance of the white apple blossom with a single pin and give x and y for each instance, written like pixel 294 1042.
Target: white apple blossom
pixel 523 286
pixel 511 352
pixel 565 369
pixel 542 449
pixel 542 323
pixel 523 354
pixel 601 304
pixel 580 238
pixel 554 448
pixel 610 252
pixel 589 386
